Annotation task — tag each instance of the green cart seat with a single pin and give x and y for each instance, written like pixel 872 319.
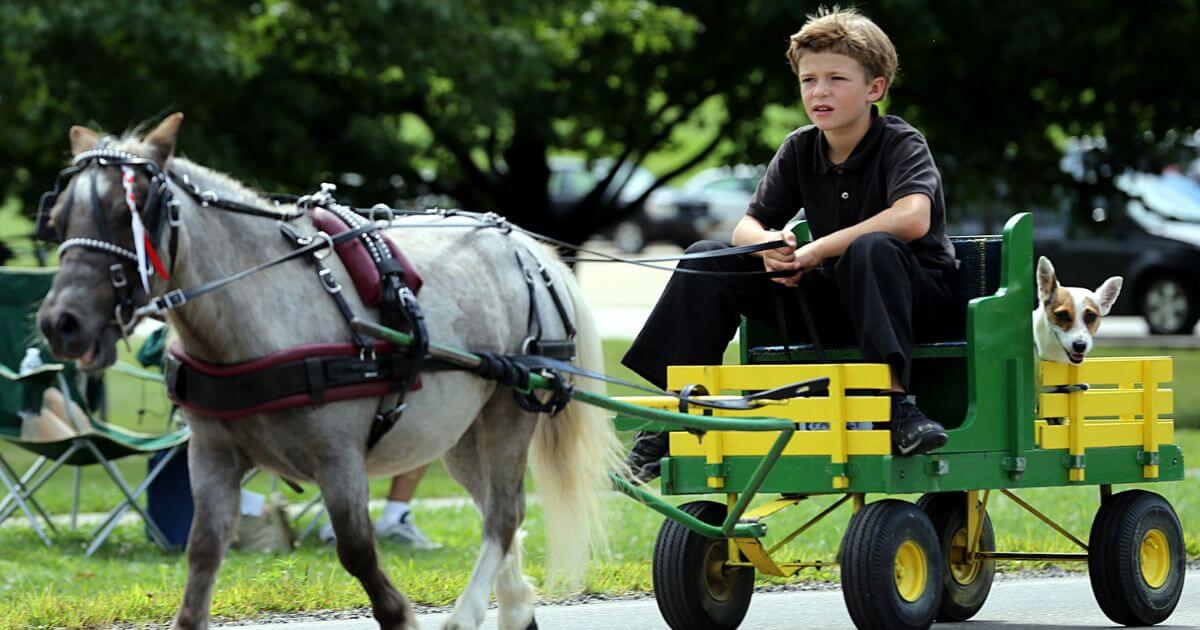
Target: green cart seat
pixel 950 376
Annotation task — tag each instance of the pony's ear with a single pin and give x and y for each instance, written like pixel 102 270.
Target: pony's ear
pixel 82 139
pixel 161 141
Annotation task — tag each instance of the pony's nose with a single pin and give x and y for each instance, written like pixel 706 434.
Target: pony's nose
pixel 1079 346
pixel 60 328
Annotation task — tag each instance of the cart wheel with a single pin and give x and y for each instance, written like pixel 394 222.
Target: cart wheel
pixel 1136 558
pixel 892 567
pixel 692 585
pixel 967 585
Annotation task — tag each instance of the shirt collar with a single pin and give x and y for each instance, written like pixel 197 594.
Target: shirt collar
pixel 861 153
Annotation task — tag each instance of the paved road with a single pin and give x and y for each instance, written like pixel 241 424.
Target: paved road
pixel 1013 604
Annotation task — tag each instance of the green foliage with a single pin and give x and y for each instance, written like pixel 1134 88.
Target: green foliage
pixel 470 98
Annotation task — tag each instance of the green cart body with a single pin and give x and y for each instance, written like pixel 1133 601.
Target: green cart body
pixel 1013 423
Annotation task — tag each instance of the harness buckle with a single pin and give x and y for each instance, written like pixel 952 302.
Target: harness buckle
pixel 173 218
pixel 116 272
pixel 207 197
pixel 174 299
pixel 328 281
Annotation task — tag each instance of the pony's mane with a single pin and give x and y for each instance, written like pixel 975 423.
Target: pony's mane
pixel 204 177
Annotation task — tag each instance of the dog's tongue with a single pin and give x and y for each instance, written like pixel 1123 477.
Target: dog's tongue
pixel 1076 358
pixel 87 358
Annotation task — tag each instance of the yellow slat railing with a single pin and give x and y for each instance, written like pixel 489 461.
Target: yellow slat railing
pixel 835 408
pixel 1112 393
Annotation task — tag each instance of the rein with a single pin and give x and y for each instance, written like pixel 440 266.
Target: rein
pixel 160 210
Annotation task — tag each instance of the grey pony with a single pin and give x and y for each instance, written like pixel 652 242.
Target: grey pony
pixel 474 297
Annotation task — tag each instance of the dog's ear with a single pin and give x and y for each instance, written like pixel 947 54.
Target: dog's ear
pixel 1107 294
pixel 1046 280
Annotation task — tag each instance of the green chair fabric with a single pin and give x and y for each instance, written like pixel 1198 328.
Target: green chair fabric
pixel 21 291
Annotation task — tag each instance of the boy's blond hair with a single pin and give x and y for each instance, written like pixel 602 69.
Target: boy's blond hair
pixel 846 32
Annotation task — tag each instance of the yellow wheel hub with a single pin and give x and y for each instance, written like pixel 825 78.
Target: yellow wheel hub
pixel 718 582
pixel 912 571
pixel 965 572
pixel 1155 558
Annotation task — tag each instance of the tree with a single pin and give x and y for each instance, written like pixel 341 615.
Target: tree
pixel 472 98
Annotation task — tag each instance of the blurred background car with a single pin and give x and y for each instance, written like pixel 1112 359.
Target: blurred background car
pixel 707 206
pixel 1148 232
pixel 572 178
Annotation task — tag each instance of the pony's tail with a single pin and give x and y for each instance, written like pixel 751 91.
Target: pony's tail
pixel 571 456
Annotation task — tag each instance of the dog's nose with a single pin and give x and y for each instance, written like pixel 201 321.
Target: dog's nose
pixel 1079 346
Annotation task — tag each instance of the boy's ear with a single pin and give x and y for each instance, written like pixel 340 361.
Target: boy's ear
pixel 82 139
pixel 1046 280
pixel 878 89
pixel 1107 294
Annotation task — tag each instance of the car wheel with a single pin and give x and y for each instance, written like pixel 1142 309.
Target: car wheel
pixel 1169 306
pixel 629 237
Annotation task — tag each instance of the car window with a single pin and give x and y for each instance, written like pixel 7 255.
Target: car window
pixel 571 184
pixel 725 185
pixel 1172 195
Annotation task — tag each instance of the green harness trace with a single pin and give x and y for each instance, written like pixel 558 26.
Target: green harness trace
pixel 1013 422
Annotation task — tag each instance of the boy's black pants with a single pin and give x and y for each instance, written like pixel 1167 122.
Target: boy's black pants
pixel 876 296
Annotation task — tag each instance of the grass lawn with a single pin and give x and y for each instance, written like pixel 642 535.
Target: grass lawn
pixel 129 580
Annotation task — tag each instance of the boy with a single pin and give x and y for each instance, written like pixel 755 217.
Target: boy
pixel 880 267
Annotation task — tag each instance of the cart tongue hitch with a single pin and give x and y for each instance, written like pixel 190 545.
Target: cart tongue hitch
pixel 811 387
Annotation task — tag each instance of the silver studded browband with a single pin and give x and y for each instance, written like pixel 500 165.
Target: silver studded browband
pixel 106 154
pixel 91 243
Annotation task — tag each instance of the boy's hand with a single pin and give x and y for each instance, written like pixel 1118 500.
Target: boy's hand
pixel 788 258
pixel 783 258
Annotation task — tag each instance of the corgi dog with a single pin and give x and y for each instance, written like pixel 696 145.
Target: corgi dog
pixel 1066 318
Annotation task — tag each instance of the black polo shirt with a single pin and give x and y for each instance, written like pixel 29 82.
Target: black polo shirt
pixel 891 161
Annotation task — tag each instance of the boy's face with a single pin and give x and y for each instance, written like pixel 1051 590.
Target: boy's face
pixel 835 90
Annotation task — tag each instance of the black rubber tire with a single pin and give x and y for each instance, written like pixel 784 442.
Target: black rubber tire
pixel 1115 564
pixel 686 597
pixel 947 512
pixel 1191 309
pixel 873 538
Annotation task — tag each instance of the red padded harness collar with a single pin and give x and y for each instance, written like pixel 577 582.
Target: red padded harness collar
pixel 300 362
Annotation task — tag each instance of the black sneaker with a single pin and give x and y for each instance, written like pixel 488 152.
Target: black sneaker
pixel 913 433
pixel 644 462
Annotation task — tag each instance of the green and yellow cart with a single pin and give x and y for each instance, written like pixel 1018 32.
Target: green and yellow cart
pixel 1014 423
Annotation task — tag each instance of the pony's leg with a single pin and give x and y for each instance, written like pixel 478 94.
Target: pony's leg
pixel 514 593
pixel 216 475
pixel 490 462
pixel 344 486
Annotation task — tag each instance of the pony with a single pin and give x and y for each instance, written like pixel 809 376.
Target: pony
pixel 474 297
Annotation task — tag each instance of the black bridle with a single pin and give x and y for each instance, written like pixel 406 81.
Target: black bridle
pixel 159 212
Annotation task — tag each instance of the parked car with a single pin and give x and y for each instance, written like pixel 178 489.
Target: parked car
pixel 708 205
pixel 1152 239
pixel 572 178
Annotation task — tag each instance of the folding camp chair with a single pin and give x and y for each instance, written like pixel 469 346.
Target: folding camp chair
pixel 93 441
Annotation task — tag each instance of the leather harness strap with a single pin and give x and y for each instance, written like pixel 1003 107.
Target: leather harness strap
pixel 300 376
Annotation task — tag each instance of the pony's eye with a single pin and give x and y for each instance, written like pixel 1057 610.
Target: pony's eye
pixel 1062 317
